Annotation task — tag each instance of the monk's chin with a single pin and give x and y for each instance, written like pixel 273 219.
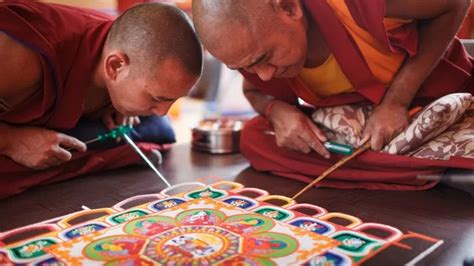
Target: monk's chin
pixel 125 112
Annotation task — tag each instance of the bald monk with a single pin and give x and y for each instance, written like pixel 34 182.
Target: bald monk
pixel 391 54
pixel 67 69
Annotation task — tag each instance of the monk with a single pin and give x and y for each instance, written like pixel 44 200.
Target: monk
pixel 390 54
pixel 65 70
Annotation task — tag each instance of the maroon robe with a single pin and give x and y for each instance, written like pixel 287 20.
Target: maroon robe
pixel 69 41
pixel 372 170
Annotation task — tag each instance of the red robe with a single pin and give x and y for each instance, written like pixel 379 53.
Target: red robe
pixel 372 170
pixel 69 41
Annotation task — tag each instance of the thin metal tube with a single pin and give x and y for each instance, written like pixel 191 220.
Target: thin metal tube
pixel 137 150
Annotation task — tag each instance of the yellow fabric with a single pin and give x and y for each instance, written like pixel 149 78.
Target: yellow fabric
pixel 328 78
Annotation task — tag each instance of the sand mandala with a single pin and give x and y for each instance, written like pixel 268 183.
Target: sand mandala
pixel 221 224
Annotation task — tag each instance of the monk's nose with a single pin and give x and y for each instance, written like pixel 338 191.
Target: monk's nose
pixel 159 111
pixel 265 72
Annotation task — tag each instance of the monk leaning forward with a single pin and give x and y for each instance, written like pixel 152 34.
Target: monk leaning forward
pixel 382 56
pixel 70 73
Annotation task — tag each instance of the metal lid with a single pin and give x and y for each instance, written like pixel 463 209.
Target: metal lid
pixel 221 125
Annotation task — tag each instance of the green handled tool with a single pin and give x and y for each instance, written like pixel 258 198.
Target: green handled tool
pixel 330 146
pixel 113 134
pixel 123 131
pixel 338 148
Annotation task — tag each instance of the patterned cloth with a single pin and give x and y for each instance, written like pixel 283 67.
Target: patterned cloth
pixel 442 129
pixel 343 124
pixel 457 140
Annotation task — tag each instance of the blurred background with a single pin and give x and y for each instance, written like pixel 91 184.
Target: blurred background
pixel 219 93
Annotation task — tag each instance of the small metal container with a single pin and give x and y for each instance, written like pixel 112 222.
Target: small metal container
pixel 217 136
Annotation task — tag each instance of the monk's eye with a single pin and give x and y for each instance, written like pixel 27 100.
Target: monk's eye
pixel 156 99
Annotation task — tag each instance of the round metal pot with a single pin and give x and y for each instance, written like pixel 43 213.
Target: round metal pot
pixel 217 136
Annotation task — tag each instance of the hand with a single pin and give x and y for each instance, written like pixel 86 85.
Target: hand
pixel 113 119
pixel 385 123
pixel 295 131
pixel 40 148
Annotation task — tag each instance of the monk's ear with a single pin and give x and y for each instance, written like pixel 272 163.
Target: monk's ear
pixel 116 64
pixel 290 8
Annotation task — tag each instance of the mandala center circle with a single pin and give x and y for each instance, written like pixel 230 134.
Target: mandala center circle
pixel 208 244
pixel 197 245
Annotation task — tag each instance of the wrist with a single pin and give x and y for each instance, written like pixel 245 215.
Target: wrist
pixel 269 109
pixel 394 103
pixel 399 94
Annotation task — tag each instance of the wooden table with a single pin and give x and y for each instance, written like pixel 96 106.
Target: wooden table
pixel 443 212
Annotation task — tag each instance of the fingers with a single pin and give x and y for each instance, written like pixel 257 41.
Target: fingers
pixel 378 137
pixel 300 145
pixel 295 131
pixel 58 155
pixel 48 161
pixel 130 121
pixel 384 137
pixel 71 142
pixel 315 139
pixel 108 120
pixel 54 161
pixel 61 154
pixel 136 120
pixel 295 144
pixel 316 131
pixel 120 119
pixel 319 148
pixel 385 122
pixel 314 143
pixel 126 121
pixel 114 119
pixel 305 141
pixel 377 141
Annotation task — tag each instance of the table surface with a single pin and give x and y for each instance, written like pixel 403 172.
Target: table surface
pixel 443 212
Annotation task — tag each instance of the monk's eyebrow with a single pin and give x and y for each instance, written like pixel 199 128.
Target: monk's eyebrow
pixel 255 62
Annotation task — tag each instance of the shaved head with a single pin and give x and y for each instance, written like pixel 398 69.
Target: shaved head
pixel 151 58
pixel 216 20
pixel 265 37
pixel 151 33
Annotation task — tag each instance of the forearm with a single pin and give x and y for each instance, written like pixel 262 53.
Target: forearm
pixel 435 35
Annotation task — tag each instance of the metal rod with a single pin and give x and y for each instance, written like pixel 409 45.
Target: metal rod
pixel 135 147
pixel 86 142
pixel 333 168
pixel 92 141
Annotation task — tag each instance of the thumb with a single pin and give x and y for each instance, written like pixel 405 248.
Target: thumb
pixel 316 131
pixel 71 142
